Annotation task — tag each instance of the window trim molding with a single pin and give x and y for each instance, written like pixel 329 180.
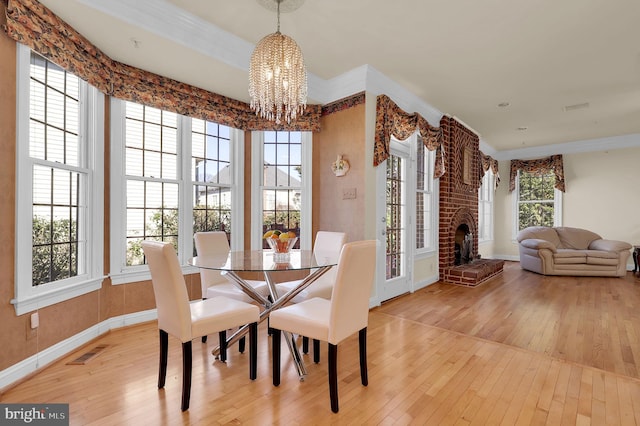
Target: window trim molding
pixel 489 179
pixel 257 155
pixel 122 274
pixel 557 208
pixel 434 186
pixel 28 298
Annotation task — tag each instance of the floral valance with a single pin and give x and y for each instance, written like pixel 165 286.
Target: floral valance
pixel 487 163
pixel 34 25
pixel 391 120
pixel 543 165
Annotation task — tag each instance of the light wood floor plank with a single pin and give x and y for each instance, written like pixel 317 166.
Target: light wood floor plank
pixel 520 349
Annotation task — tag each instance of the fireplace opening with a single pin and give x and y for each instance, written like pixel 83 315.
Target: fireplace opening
pixel 463 247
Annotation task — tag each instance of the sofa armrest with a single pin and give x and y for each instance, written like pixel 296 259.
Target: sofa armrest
pixel 609 245
pixel 537 244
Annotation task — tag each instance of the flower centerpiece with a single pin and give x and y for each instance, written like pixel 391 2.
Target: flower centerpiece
pixel 281 243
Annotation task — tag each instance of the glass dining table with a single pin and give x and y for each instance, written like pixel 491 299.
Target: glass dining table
pixel 238 262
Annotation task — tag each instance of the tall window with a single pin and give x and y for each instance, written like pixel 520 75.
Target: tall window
pixel 211 174
pixel 485 206
pixel 59 236
pixel 538 202
pixel 178 178
pixel 282 172
pixel 425 199
pixel 151 170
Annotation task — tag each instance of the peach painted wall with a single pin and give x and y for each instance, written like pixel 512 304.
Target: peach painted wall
pixel 342 134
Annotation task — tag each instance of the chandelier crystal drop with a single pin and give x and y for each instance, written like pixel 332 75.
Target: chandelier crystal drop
pixel 278 78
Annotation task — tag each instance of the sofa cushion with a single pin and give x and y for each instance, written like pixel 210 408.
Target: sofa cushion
pixel 575 238
pixel 539 233
pixel 600 257
pixel 570 256
pixel 536 244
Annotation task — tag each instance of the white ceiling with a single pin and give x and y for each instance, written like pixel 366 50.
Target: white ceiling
pixel 457 57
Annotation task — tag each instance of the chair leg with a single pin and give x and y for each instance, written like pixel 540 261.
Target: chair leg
pixel 204 338
pixel 275 356
pixel 305 345
pixel 253 350
pixel 316 351
pixel 164 352
pixel 362 339
pixel 333 377
pixel 223 345
pixel 241 344
pixel 186 374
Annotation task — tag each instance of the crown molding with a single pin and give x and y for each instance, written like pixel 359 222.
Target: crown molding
pixel 577 147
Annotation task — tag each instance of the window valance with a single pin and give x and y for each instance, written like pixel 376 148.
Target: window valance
pixel 543 165
pixel 391 120
pixel 32 24
pixel 487 163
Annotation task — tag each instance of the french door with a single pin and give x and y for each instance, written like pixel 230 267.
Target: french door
pixel 394 274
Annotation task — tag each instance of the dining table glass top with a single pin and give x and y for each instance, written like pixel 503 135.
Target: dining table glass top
pixel 262 260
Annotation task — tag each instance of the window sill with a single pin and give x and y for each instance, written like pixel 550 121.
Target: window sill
pixel 47 298
pixel 144 275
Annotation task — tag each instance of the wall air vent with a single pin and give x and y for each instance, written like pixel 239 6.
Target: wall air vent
pixel 576 106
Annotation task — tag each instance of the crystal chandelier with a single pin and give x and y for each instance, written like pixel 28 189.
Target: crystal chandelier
pixel 277 75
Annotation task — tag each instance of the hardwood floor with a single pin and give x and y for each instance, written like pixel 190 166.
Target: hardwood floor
pixel 520 349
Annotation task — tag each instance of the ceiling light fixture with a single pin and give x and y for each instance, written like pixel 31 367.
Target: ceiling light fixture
pixel 277 74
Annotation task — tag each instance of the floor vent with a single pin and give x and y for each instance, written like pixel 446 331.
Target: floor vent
pixel 88 356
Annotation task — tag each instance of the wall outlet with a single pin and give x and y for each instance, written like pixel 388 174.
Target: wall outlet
pixel 35 320
pixel 348 193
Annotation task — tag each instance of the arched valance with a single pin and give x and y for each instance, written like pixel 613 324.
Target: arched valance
pixel 391 120
pixel 34 25
pixel 543 165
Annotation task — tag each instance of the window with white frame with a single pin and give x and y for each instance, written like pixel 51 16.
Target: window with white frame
pixel 426 199
pixel 172 176
pixel 59 184
pixel 538 203
pixel 485 207
pixel 281 178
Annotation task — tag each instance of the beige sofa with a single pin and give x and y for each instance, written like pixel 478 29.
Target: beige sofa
pixel 571 251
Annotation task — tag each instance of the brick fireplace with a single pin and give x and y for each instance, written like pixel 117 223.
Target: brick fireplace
pixel 459 208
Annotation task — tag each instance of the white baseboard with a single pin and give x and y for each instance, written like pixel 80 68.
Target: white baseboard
pixel 37 361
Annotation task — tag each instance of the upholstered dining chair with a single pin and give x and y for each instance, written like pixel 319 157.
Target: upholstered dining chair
pixel 187 321
pixel 333 320
pixel 213 283
pixel 326 244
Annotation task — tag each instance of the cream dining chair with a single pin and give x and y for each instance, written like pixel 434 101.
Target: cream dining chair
pixel 326 244
pixel 333 320
pixel 213 283
pixel 187 321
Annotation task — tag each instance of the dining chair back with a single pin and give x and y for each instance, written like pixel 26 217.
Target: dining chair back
pixel 328 244
pixel 336 319
pixel 212 282
pixel 188 320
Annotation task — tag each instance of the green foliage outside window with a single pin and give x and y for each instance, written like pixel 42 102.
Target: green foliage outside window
pixel 55 250
pixel 163 226
pixel 536 199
